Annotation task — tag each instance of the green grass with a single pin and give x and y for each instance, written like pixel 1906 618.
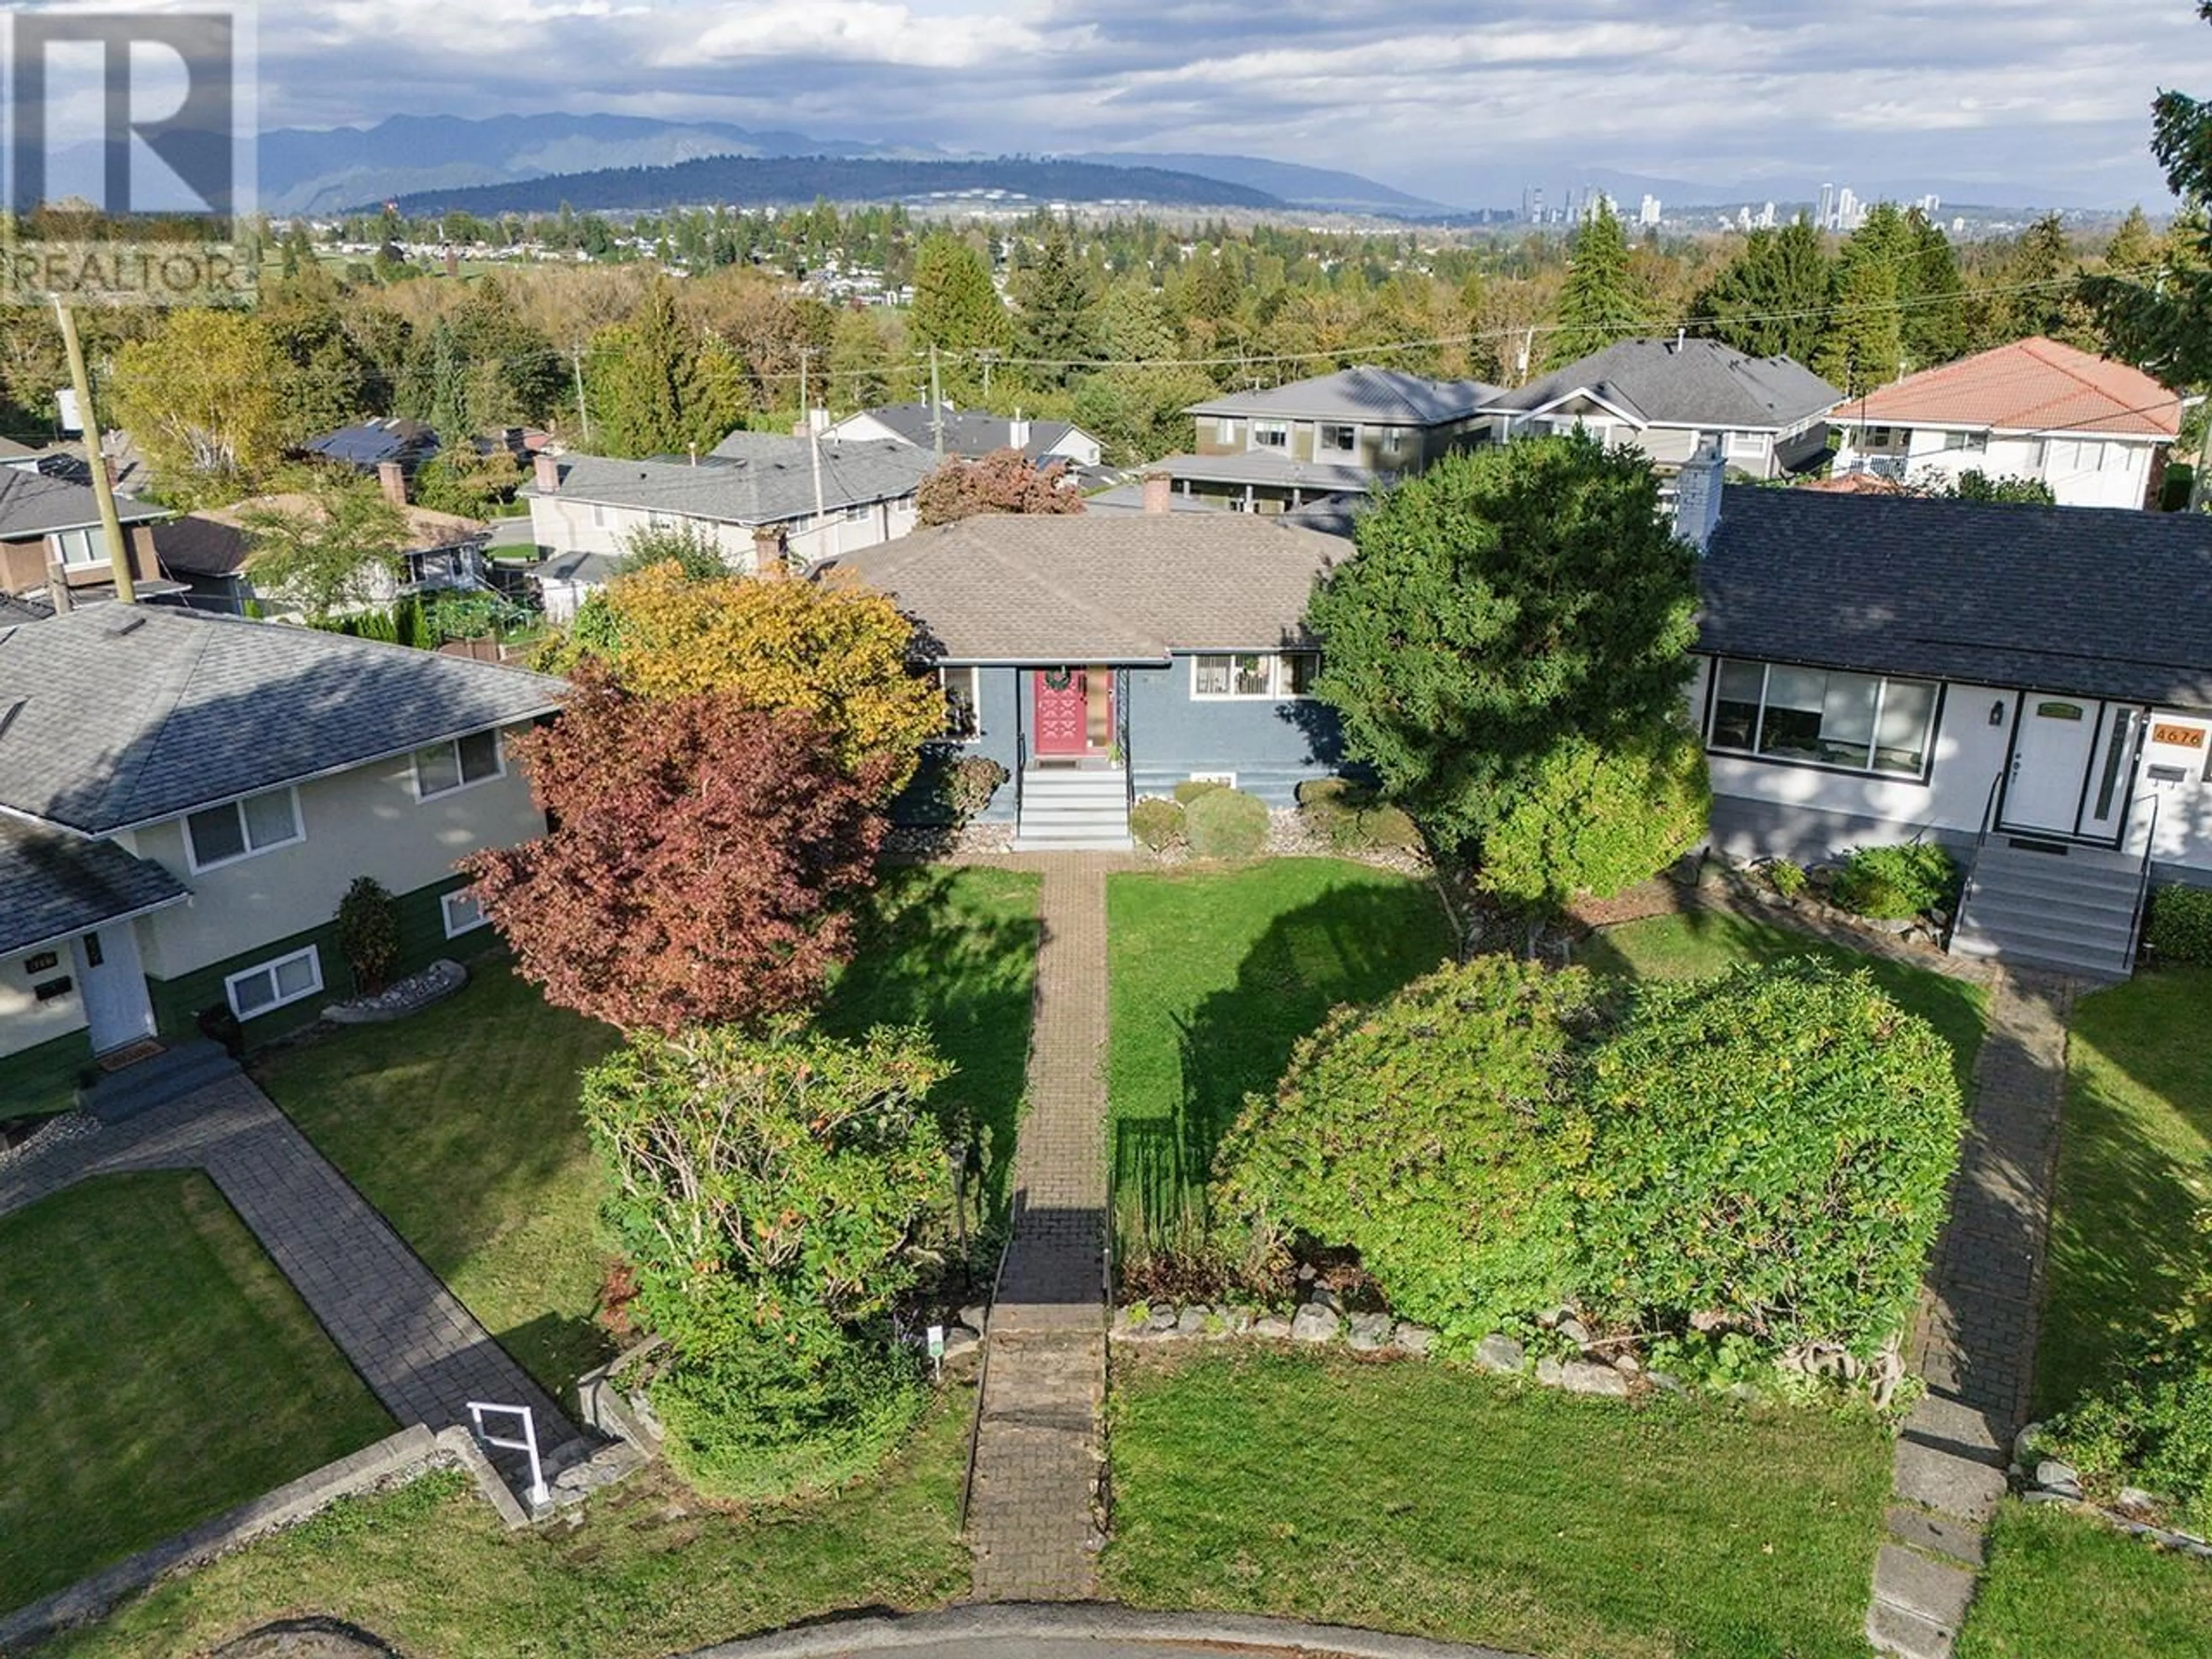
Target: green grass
pixel 2062 1586
pixel 461 1124
pixel 1707 942
pixel 1217 973
pixel 1422 1498
pixel 2135 1163
pixel 653 1569
pixel 159 1370
pixel 955 950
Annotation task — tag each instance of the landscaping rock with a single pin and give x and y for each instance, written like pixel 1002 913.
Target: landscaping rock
pixel 1274 1327
pixel 960 1342
pixel 1500 1353
pixel 976 1318
pixel 1575 1331
pixel 1627 1365
pixel 1315 1322
pixel 1550 1372
pixel 2052 1475
pixel 1235 1322
pixel 2023 1446
pixel 1321 1296
pixel 2136 1499
pixel 417 992
pixel 1587 1377
pixel 1192 1320
pixel 1370 1331
pixel 1416 1339
pixel 1163 1320
pixel 1549 1319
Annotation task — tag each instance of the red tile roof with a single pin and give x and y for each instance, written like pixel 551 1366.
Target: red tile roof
pixel 2030 385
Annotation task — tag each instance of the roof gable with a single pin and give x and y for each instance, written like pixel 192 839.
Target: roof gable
pixel 32 504
pixel 2035 385
pixel 1388 395
pixel 1686 382
pixel 766 482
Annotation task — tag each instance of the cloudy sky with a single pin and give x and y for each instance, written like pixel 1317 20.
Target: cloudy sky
pixel 1464 100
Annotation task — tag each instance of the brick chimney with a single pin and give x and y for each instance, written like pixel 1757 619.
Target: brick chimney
pixel 1159 493
pixel 391 478
pixel 547 469
pixel 771 552
pixel 1698 496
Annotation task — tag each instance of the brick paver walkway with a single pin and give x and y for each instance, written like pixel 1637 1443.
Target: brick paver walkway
pixel 1975 1339
pixel 1034 1515
pixel 421 1352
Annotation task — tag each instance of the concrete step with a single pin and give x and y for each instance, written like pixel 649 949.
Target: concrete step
pixel 1029 844
pixel 2099 893
pixel 1112 788
pixel 170 1075
pixel 2090 915
pixel 2068 950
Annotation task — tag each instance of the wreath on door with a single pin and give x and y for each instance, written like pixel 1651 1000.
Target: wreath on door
pixel 1059 679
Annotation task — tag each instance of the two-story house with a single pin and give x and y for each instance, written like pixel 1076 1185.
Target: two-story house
pixel 1338 435
pixel 1768 415
pixel 970 434
pixel 50 535
pixel 2094 430
pixel 183 799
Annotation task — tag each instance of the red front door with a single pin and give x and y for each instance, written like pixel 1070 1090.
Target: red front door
pixel 1063 711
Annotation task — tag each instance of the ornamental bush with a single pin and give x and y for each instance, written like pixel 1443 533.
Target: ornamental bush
pixel 1226 823
pixel 1596 820
pixel 1353 818
pixel 1191 788
pixel 1768 1152
pixel 368 934
pixel 1895 883
pixel 967 784
pixel 1433 1135
pixel 2180 927
pixel 1157 823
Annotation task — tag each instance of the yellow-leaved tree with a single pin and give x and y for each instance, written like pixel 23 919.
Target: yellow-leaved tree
pixel 837 650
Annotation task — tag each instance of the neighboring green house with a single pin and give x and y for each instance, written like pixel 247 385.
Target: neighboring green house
pixel 183 800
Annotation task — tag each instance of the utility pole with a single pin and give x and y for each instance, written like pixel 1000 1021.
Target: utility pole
pixel 936 403
pixel 813 437
pixel 118 554
pixel 583 410
pixel 987 358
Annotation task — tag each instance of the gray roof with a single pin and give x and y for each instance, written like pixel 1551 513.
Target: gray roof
pixel 1388 396
pixel 1700 383
pixel 592 570
pixel 1267 468
pixel 54 886
pixel 1052 589
pixel 118 715
pixel 2102 602
pixel 1125 499
pixel 765 486
pixel 29 609
pixel 31 504
pixel 969 433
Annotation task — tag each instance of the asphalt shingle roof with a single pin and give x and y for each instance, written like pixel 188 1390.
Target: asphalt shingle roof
pixel 1053 589
pixel 1685 383
pixel 1365 393
pixel 763 486
pixel 53 886
pixel 2035 385
pixel 971 434
pixel 115 715
pixel 2101 602
pixel 31 504
pixel 1267 467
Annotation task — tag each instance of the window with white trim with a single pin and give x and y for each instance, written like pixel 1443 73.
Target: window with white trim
pixel 463 914
pixel 273 984
pixel 1224 429
pixel 1338 439
pixel 1823 717
pixel 1271 435
pixel 1278 674
pixel 1973 443
pixel 445 767
pixel 239 828
pixel 77 549
pixel 962 721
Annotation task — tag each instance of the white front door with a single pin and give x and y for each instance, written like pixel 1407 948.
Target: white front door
pixel 2049 764
pixel 112 983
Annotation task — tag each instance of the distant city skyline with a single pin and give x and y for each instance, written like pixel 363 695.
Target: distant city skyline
pixel 2046 99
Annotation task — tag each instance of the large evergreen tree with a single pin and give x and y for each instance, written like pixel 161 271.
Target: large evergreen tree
pixel 2046 295
pixel 1934 295
pixel 1057 295
pixel 956 308
pixel 1863 345
pixel 1770 299
pixel 1601 303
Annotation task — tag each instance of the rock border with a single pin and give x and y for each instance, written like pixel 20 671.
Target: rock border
pixel 441 980
pixel 2041 1479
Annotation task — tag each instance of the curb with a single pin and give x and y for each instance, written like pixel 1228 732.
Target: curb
pixel 1070 1623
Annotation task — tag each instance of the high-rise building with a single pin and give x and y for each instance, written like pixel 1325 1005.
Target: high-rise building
pixel 1647 215
pixel 1929 205
pixel 1765 221
pixel 1826 218
pixel 1851 212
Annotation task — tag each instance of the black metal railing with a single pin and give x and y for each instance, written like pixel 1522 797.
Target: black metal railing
pixel 2143 884
pixel 1974 863
pixel 1121 739
pixel 1021 765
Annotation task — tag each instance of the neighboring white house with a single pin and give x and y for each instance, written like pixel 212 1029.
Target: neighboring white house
pixel 775 496
pixel 2031 686
pixel 1665 397
pixel 970 434
pixel 2094 430
pixel 185 797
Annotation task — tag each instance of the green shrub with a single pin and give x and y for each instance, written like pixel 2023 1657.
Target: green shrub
pixel 1594 820
pixel 967 785
pixel 368 934
pixel 1353 817
pixel 1226 823
pixel 1157 823
pixel 1191 788
pixel 1425 1133
pixel 1769 1151
pixel 1786 877
pixel 1893 884
pixel 2179 930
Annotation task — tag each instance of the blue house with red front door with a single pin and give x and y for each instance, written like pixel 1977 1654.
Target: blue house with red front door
pixel 1099 658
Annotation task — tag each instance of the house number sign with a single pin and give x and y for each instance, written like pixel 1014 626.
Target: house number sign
pixel 2178 736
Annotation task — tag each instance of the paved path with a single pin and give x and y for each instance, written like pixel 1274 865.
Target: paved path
pixel 1035 1518
pixel 1975 1339
pixel 421 1352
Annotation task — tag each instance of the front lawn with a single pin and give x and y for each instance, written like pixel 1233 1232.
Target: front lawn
pixel 2062 1586
pixel 2134 1165
pixel 1693 945
pixel 1217 973
pixel 1422 1498
pixel 653 1569
pixel 159 1370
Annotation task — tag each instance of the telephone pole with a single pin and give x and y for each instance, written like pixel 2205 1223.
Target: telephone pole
pixel 583 410
pixel 935 404
pixel 813 437
pixel 118 553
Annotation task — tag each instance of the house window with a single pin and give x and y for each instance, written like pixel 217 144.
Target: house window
pixel 1224 429
pixel 1252 674
pixel 239 828
pixel 599 516
pixel 445 767
pixel 78 550
pixel 273 984
pixel 961 702
pixel 1271 435
pixel 1337 439
pixel 463 914
pixel 1888 437
pixel 1393 443
pixel 1971 443
pixel 1820 717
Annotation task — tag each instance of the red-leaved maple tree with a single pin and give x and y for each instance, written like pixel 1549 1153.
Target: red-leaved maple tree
pixel 1005 480
pixel 700 864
